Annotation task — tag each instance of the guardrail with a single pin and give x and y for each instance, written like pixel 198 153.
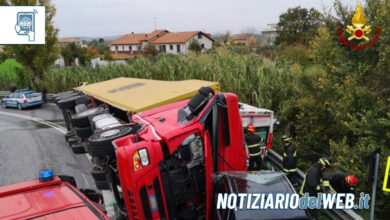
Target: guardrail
pixel 338 214
pixel 5 93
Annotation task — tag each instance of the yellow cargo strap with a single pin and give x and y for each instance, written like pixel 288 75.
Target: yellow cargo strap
pixel 289 170
pixel 254 145
pixel 255 154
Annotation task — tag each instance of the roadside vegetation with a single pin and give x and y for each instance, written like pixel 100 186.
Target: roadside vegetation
pixel 332 100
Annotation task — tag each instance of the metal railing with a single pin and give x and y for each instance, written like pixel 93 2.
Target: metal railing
pixel 339 214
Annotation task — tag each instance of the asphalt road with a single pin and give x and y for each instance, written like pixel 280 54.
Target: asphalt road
pixel 27 146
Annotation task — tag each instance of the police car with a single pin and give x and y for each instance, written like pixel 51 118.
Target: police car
pixel 22 99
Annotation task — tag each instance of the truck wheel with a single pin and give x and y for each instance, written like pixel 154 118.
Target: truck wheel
pixel 83 132
pixel 80 108
pixel 78 148
pixel 63 93
pixel 68 135
pixel 81 120
pixel 72 140
pixel 84 99
pixel 102 185
pixel 98 174
pixel 68 102
pixel 58 98
pixel 100 143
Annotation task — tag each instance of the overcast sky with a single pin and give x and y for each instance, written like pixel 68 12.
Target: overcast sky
pixel 98 18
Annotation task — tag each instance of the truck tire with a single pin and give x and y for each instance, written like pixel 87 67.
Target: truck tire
pixel 98 174
pixel 77 148
pixel 100 142
pixel 63 93
pixel 102 185
pixel 68 135
pixel 72 140
pixel 81 120
pixel 80 108
pixel 58 98
pixel 68 102
pixel 84 99
pixel 83 132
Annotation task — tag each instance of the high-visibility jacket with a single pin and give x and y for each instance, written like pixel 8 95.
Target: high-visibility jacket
pixel 290 159
pixel 253 142
pixel 312 182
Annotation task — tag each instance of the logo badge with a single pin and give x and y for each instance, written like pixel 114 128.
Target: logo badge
pixel 358 31
pixel 22 25
pixel 25 24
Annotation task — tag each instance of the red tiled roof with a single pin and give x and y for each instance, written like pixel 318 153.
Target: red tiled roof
pixel 68 40
pixel 178 37
pixel 242 37
pixel 135 39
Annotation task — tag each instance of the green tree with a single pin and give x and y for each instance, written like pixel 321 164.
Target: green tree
pixel 71 52
pixel 37 58
pixel 150 50
pixel 195 46
pixel 297 25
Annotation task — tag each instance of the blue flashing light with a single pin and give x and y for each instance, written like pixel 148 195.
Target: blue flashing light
pixel 46 175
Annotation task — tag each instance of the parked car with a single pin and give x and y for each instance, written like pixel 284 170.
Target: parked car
pixel 255 182
pixel 22 99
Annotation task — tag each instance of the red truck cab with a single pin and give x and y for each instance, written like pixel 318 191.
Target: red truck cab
pixel 46 199
pixel 166 169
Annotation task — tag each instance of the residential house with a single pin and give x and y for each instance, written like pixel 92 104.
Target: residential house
pixel 165 42
pixel 245 39
pixel 133 44
pixel 268 35
pixel 179 42
pixel 68 40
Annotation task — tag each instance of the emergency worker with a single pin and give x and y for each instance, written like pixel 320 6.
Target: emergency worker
pixel 343 182
pixel 290 160
pixel 312 184
pixel 253 142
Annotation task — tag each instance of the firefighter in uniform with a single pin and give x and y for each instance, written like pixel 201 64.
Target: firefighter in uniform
pixel 253 142
pixel 290 160
pixel 312 184
pixel 342 182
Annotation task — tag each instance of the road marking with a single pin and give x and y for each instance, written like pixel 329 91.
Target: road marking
pixel 59 128
pixel 39 120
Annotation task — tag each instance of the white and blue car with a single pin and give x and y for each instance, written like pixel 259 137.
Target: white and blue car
pixel 22 99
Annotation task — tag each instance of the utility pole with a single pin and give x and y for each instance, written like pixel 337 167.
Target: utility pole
pixel 373 178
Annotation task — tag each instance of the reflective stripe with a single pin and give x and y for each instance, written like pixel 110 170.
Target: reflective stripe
pixel 303 184
pixel 254 145
pixel 318 188
pixel 326 183
pixel 295 154
pixel 256 154
pixel 284 154
pixel 289 170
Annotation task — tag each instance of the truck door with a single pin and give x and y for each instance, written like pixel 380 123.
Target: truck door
pixel 231 150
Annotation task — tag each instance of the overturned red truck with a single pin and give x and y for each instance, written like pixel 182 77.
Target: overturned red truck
pixel 160 163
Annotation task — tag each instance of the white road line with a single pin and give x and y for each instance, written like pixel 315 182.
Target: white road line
pixel 59 128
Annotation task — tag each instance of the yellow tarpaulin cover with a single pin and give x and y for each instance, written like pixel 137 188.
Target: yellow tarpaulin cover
pixel 138 95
